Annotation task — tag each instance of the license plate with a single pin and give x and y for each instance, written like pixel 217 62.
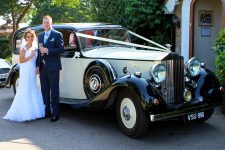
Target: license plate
pixel 195 116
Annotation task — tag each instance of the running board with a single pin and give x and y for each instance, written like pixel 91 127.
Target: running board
pixel 73 101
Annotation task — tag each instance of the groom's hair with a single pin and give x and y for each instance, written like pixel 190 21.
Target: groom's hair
pixel 48 17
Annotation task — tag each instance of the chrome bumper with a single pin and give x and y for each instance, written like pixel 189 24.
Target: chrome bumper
pixel 180 112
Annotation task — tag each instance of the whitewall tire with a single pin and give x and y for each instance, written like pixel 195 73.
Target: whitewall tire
pixel 133 121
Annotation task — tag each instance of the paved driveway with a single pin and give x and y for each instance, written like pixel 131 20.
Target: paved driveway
pixel 84 129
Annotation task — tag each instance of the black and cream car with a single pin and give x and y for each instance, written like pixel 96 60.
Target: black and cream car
pixel 103 69
pixel 5 67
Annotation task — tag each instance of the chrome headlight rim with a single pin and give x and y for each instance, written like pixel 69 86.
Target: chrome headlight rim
pixel 193 67
pixel 158 72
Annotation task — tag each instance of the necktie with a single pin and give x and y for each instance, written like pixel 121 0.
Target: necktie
pixel 46 37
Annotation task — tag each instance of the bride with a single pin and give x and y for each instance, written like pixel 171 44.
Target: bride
pixel 28 102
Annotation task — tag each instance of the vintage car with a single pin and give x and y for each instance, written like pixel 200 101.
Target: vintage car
pixel 5 67
pixel 103 69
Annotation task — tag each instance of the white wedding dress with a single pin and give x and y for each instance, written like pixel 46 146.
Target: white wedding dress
pixel 28 102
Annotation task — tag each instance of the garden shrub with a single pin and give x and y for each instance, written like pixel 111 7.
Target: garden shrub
pixel 219 49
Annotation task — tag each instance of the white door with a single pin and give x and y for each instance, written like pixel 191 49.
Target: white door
pixel 208 15
pixel 71 78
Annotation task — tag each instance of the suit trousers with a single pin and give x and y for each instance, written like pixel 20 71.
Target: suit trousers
pixel 50 90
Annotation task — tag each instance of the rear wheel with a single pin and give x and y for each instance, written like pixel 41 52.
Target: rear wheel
pixel 15 83
pixel 133 121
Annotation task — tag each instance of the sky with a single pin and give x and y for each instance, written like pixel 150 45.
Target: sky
pixel 2 21
pixel 20 25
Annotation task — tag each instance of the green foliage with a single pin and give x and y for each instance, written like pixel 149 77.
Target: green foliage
pixel 63 11
pixel 9 59
pixel 108 11
pixel 219 49
pixel 145 17
pixel 16 9
pixel 162 37
pixel 146 14
pixel 5 50
pixel 220 67
pixel 219 45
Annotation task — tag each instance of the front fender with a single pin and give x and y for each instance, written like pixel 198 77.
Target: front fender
pixel 145 92
pixel 208 87
pixel 12 73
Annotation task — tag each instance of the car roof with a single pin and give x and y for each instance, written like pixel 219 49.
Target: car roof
pixel 76 26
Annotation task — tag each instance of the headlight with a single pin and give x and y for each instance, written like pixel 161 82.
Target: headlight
pixel 187 95
pixel 193 67
pixel 158 73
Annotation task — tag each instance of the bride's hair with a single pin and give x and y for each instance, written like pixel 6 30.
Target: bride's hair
pixel 29 31
pixel 24 42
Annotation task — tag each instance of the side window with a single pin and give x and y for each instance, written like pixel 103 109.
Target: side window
pixel 70 43
pixel 18 42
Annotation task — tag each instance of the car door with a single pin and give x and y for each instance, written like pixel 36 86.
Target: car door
pixel 71 75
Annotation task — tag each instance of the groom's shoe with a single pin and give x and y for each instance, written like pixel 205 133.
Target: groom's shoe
pixel 54 118
pixel 47 115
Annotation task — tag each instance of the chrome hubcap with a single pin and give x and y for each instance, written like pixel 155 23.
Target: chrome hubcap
pixel 95 83
pixel 128 113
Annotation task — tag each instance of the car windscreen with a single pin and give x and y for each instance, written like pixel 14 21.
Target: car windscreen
pixel 110 34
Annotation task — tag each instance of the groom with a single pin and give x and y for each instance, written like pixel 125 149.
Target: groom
pixel 48 66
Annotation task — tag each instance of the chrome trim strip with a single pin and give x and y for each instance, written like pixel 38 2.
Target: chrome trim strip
pixel 180 112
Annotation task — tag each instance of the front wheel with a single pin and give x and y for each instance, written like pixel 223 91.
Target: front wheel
pixel 133 121
pixel 15 83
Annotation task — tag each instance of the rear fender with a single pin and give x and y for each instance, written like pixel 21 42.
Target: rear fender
pixel 13 72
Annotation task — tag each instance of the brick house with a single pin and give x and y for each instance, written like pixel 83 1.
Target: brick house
pixel 199 23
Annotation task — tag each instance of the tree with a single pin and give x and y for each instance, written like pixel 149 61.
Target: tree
pixel 16 10
pixel 67 11
pixel 145 17
pixel 4 47
pixel 109 11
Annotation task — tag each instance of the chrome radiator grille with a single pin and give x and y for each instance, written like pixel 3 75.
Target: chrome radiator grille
pixel 4 70
pixel 173 86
